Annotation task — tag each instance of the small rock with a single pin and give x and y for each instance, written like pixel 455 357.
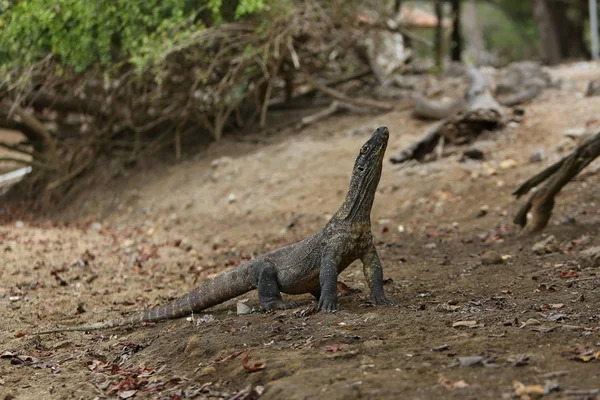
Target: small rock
pixel 430 246
pixel 470 361
pixel 532 321
pixel 19 224
pixel 593 88
pixel 192 345
pixel 508 163
pixel 231 198
pixel 401 228
pixel 207 371
pixel 473 154
pixel 575 133
pixel 96 226
pixel 369 344
pixel 546 246
pixel 538 156
pixel 243 309
pixel 491 257
pixel 441 348
pixel 483 211
pixel 590 258
pixel 221 161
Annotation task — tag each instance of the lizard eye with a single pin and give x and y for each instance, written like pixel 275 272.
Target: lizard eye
pixel 364 149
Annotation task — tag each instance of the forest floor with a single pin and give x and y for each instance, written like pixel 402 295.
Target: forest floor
pixel 462 328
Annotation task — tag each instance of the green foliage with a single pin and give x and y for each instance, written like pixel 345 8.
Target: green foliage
pixel 510 30
pixel 82 32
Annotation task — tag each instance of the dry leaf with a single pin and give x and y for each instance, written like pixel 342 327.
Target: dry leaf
pixel 449 384
pixel 464 324
pixel 251 368
pixel 526 392
pixel 334 348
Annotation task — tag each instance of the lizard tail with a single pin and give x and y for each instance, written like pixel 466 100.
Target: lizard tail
pixel 223 287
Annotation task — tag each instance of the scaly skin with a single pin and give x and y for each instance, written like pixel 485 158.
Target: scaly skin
pixel 309 266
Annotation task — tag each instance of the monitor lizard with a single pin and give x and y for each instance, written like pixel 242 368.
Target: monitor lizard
pixel 309 266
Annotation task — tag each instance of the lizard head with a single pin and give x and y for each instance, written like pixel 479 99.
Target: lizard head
pixel 365 178
pixel 371 153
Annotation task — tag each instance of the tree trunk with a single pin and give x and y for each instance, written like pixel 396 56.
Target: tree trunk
pixel 561 27
pixel 457 43
pixel 438 34
pixel 475 44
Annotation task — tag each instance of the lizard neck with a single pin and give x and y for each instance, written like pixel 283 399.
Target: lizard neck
pixel 357 205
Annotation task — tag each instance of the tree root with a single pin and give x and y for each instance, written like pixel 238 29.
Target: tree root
pixel 536 212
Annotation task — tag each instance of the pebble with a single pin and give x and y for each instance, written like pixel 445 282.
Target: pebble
pixel 491 257
pixel 470 361
pixel 538 156
pixel 193 343
pixel 590 258
pixel 473 154
pixel 483 211
pixel 243 309
pixel 508 163
pixel 546 246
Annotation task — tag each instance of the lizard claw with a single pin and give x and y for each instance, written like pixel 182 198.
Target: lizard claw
pixel 384 301
pixel 327 305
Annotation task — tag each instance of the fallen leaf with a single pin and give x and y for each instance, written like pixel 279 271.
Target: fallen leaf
pixel 441 348
pixel 589 357
pixel 526 391
pixel 229 357
pixel 127 394
pixel 464 324
pixel 449 384
pixel 20 335
pixel 251 368
pixel 569 274
pixel 334 348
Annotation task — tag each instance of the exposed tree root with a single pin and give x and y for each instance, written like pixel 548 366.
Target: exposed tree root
pixel 536 212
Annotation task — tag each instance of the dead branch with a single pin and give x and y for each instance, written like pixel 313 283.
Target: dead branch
pixel 428 109
pixel 524 188
pixel 282 104
pixel 522 96
pixel 40 130
pixel 477 112
pixel 33 163
pixel 536 212
pixel 368 103
pixel 334 108
pixel 425 145
pixel 16 148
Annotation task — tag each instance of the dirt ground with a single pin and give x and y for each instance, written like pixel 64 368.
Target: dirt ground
pixel 462 328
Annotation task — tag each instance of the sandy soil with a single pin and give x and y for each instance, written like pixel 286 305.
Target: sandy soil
pixel 155 234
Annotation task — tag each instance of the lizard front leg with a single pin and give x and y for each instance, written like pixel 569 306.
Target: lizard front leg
pixel 328 300
pixel 374 276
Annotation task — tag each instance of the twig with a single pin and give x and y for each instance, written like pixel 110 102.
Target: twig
pixel 16 148
pixel 37 127
pixel 33 163
pixel 333 108
pixel 380 105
